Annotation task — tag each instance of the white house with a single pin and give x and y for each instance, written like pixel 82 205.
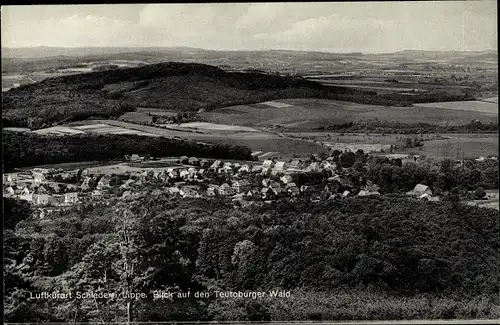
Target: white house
pixel 244 169
pixel 419 190
pixel 267 163
pixel 428 197
pixel 26 197
pixel 103 183
pixel 173 190
pixel 71 197
pixel 193 161
pixel 241 185
pixel 204 163
pixel 279 166
pixel 9 190
pixel 8 178
pixel 225 189
pixel 41 190
pixel 295 165
pixel 38 177
pixel 212 189
pixel 216 164
pixel 367 193
pixel 172 173
pixel 183 173
pixel 313 167
pixel 135 157
pixel 128 183
pixel 188 192
pixel 286 179
pixel 40 199
pixel 96 194
pixel 22 190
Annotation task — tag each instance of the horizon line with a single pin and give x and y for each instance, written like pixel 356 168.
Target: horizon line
pixel 243 50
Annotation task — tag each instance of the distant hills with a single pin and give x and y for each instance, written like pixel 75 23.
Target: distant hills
pixel 49 51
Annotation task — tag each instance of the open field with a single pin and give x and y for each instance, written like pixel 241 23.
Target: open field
pixel 491 100
pixel 457 147
pixel 124 168
pixel 59 130
pixel 15 80
pixel 389 88
pixel 72 165
pixel 208 135
pixel 17 129
pixel 475 106
pixel 100 128
pixel 371 138
pixel 279 147
pixel 276 104
pixel 215 127
pixel 136 117
pixel 350 141
pixel 155 111
pixel 314 113
pixel 435 145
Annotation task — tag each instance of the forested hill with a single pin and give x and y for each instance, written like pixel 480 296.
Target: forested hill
pixel 173 86
pixel 369 258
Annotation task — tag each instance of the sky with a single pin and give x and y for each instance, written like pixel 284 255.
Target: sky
pixel 368 27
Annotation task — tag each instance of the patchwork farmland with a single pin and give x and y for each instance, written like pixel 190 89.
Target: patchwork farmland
pixel 474 106
pixel 306 114
pixel 99 128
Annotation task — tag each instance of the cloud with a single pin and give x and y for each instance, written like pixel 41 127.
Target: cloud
pixel 69 31
pixel 332 32
pixel 348 26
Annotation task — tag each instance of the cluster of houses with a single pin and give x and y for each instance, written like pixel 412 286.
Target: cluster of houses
pixel 190 178
pixel 34 187
pixel 205 178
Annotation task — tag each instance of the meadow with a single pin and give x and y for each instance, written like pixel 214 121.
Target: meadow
pixel 458 146
pixel 100 128
pixel 215 127
pixel 475 106
pixel 277 147
pixel 308 113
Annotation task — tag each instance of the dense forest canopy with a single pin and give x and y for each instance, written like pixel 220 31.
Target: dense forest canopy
pixel 439 260
pixel 27 149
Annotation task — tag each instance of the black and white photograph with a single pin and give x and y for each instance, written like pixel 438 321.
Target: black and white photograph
pixel 251 162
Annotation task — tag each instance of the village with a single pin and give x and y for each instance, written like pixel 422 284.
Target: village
pixel 51 189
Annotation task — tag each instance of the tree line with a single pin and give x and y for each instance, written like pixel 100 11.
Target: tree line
pixel 26 149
